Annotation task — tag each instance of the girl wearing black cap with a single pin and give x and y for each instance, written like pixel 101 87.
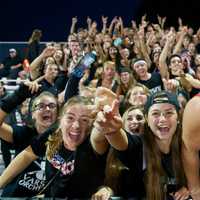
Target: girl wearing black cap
pixel 164 174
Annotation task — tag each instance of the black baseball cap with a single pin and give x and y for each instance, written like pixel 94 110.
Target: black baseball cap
pixel 162 97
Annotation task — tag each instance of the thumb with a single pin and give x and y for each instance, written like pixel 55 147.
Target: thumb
pixel 115 107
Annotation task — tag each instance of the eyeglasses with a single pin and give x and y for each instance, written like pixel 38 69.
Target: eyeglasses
pixel 42 106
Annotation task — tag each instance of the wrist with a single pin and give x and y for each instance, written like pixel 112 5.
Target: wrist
pixel 195 191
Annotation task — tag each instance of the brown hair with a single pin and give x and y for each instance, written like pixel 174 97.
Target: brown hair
pixel 55 140
pixel 43 94
pixel 113 170
pixel 155 175
pixel 126 100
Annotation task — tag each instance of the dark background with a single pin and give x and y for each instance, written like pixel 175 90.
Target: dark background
pixel 53 17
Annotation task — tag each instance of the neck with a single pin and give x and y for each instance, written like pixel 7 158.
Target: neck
pixel 40 129
pixel 145 77
pixel 107 82
pixel 70 147
pixel 49 79
pixel 164 145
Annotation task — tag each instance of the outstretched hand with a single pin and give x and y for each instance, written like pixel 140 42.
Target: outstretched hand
pixel 109 121
pixel 33 86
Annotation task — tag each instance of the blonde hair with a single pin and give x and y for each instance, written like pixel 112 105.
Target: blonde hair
pixel 126 100
pixel 55 140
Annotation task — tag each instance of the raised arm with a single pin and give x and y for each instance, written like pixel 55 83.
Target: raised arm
pixel 9 103
pixel 104 21
pixel 191 146
pixel 108 123
pixel 74 22
pixel 164 54
pixel 179 43
pixel 35 65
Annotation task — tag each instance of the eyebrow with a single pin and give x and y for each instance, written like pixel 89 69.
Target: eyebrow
pixel 69 113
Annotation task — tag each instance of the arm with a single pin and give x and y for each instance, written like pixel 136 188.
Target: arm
pixel 179 43
pixel 143 47
pixel 191 144
pixel 163 56
pixel 20 162
pixel 104 20
pixel 16 66
pixel 114 20
pixel 9 103
pixel 89 23
pixel 34 66
pixel 108 123
pixel 74 21
pixel 193 81
pixel 103 192
pixel 121 26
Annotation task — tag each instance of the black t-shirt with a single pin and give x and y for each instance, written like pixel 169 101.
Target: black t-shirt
pixel 76 174
pixel 154 84
pixel 46 86
pixel 169 179
pixel 132 179
pixel 32 179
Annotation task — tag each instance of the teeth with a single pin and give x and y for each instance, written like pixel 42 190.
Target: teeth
pixel 74 133
pixel 164 129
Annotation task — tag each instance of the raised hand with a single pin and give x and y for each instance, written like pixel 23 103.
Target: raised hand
pixel 48 51
pixel 33 86
pixel 104 19
pixel 74 20
pixel 109 120
pixel 89 20
pixel 102 194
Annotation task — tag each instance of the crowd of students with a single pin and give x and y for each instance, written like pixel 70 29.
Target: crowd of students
pixel 111 125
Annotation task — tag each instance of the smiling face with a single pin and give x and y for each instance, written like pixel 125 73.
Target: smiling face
pixel 51 71
pixel 75 124
pixel 140 68
pixel 125 77
pixel 138 96
pixel 176 65
pixel 44 112
pixel 109 70
pixel 134 122
pixel 163 119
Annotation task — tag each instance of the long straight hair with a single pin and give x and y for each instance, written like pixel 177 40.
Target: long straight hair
pixel 155 185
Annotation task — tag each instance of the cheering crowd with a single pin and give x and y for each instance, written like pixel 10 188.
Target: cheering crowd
pixel 110 112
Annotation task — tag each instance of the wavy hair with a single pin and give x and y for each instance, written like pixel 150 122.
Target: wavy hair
pixel 55 140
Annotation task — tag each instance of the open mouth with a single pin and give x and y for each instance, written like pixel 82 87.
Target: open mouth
pixel 74 136
pixel 47 118
pixel 163 130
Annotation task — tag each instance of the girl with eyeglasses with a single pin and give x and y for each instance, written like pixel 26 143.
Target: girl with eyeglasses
pixel 44 113
pixel 74 157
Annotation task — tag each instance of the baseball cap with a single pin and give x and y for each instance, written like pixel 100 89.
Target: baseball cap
pixel 12 50
pixel 162 97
